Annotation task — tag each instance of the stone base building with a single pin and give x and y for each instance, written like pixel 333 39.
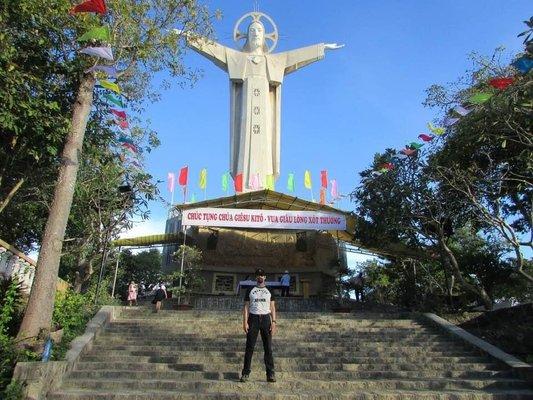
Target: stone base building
pixel 230 255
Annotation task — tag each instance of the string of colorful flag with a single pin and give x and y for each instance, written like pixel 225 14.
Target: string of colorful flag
pixel 523 65
pixel 255 183
pixel 98 40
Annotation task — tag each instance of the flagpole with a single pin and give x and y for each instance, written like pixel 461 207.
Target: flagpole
pixel 312 196
pixel 182 261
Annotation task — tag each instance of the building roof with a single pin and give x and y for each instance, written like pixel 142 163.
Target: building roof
pixel 271 200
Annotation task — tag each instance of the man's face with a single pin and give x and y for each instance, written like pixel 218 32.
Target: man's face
pixel 260 278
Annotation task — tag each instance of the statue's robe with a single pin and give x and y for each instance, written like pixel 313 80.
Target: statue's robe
pixel 255 103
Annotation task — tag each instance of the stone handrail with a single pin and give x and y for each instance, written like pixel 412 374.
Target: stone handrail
pixel 15 263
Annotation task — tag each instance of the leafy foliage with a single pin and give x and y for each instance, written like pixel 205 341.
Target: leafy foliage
pixel 464 203
pixel 191 279
pixel 141 267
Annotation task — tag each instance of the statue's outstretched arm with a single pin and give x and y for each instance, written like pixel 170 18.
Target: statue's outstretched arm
pixel 299 58
pixel 206 47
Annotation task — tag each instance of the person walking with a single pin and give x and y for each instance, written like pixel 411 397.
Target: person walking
pixel 259 316
pixel 132 293
pixel 359 286
pixel 160 294
pixel 285 284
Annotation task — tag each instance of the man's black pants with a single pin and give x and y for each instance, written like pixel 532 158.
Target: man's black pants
pixel 256 324
pixel 285 291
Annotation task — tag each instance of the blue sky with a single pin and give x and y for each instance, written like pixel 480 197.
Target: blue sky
pixel 339 112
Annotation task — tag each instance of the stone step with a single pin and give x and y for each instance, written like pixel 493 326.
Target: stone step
pixel 316 325
pixel 322 337
pixel 269 392
pixel 289 335
pixel 176 350
pixel 279 359
pixel 234 374
pixel 296 385
pixel 280 319
pixel 301 367
pixel 299 332
pixel 147 313
pixel 280 345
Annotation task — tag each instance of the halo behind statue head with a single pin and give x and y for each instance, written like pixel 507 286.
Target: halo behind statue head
pixel 256 17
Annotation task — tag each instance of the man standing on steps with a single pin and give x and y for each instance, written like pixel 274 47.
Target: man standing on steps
pixel 259 315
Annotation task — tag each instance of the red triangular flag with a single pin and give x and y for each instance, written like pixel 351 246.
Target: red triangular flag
pixel 120 114
pixel 184 175
pixel 97 6
pixel 238 183
pixel 501 83
pixel 324 179
pixel 425 138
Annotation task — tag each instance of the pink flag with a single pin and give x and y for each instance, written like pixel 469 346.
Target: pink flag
pixel 120 114
pixel 171 180
pixel 334 189
pixel 254 182
pixel 131 147
pixel 122 123
pixel 425 138
pixel 103 52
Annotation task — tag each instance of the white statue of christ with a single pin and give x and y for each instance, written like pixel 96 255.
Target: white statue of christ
pixel 255 96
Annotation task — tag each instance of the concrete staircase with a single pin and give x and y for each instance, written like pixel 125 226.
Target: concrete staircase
pixel 198 355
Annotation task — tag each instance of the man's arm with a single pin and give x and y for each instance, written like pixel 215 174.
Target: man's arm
pixel 245 316
pixel 273 325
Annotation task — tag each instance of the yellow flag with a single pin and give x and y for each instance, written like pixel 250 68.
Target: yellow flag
pixel 109 85
pixel 307 180
pixel 203 179
pixel 270 182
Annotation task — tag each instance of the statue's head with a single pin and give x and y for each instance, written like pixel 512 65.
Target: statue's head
pixel 255 40
pixel 256 35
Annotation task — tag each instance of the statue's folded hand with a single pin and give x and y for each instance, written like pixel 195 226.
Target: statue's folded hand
pixel 333 46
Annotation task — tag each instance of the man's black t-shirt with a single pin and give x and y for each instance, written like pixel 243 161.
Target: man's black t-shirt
pixel 259 298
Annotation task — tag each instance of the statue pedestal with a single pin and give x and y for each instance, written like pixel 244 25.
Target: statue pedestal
pixel 305 287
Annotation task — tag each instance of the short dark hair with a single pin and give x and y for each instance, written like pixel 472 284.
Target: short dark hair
pixel 260 272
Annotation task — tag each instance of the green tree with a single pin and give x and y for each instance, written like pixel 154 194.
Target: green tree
pixel 144 43
pixel 141 267
pixel 487 156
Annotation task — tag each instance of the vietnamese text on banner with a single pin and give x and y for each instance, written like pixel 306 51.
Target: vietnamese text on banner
pixel 266 219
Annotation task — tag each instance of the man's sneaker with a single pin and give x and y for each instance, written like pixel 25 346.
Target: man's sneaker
pixel 271 378
pixel 245 377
